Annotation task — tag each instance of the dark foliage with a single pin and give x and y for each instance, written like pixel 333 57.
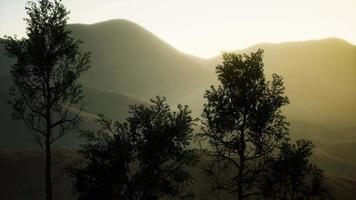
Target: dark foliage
pixel 243 123
pixel 292 176
pixel 143 158
pixel 49 63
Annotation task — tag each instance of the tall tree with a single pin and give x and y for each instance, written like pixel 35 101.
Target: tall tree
pixel 292 175
pixel 243 123
pixel 46 88
pixel 144 158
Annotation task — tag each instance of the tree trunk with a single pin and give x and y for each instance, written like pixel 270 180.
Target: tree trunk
pixel 240 192
pixel 48 172
pixel 240 183
pixel 242 164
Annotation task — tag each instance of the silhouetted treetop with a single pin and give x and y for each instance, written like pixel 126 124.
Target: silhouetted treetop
pixel 144 157
pixel 243 123
pixel 292 175
pixel 48 65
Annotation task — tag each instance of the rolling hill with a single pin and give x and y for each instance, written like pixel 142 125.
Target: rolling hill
pixel 127 60
pixel 320 79
pixel 131 65
pixel 130 60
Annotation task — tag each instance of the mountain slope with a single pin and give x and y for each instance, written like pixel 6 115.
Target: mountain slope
pixel 131 65
pixel 14 133
pixel 320 78
pixel 129 59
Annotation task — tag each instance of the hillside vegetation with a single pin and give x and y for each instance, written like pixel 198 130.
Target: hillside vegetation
pixel 26 181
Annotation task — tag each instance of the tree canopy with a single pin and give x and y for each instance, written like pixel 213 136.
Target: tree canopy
pixel 144 157
pixel 48 65
pixel 243 123
pixel 291 175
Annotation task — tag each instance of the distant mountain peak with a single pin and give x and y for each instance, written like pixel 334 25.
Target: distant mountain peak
pixel 108 22
pixel 116 21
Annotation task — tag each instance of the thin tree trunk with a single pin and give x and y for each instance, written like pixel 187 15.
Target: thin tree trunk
pixel 241 169
pixel 240 186
pixel 48 172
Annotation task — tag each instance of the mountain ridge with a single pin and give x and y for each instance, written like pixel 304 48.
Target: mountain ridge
pixel 145 57
pixel 129 60
pixel 320 76
pixel 131 65
pixel 128 22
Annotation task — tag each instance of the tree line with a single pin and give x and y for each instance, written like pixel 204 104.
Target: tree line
pixel 148 156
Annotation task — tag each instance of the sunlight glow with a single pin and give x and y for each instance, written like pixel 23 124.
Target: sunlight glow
pixel 205 28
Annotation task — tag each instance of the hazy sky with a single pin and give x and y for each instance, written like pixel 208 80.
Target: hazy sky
pixel 205 28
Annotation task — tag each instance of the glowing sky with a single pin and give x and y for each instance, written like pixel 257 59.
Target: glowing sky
pixel 205 28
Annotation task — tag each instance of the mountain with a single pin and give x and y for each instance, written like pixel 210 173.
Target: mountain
pixel 130 60
pixel 127 60
pixel 113 105
pixel 15 134
pixel 320 79
pixel 131 65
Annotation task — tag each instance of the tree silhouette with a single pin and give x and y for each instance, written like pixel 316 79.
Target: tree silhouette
pixel 243 123
pixel 49 63
pixel 144 158
pixel 292 176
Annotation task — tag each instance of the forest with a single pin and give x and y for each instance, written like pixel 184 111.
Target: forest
pixel 109 111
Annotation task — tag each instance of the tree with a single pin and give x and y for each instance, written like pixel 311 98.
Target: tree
pixel 292 176
pixel 46 88
pixel 104 173
pixel 243 123
pixel 144 158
